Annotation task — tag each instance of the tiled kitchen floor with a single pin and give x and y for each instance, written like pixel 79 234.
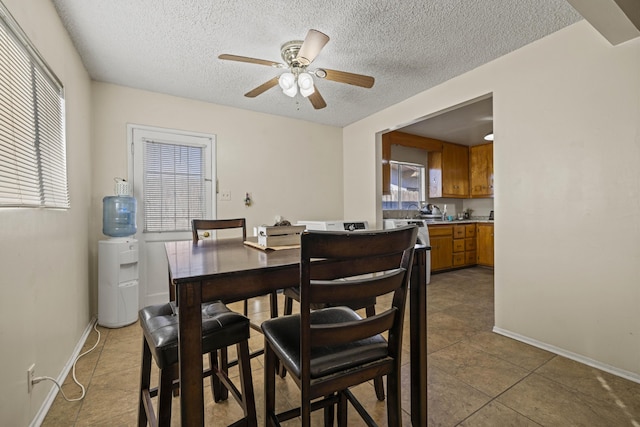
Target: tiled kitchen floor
pixel 476 377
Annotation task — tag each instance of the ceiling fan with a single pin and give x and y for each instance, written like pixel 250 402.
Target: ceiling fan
pixel 298 55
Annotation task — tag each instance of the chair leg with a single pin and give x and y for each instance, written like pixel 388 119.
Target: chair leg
pixel 394 413
pixel 246 307
pixel 329 414
pixel 288 306
pixel 246 384
pixel 270 362
pixel 224 367
pixel 342 409
pixel 145 381
pixel 216 385
pixel 165 396
pixel 175 373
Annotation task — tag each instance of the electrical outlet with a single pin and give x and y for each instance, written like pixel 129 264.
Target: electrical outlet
pixel 30 376
pixel 225 195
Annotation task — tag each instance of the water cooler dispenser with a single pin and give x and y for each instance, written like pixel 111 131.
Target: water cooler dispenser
pixel 118 260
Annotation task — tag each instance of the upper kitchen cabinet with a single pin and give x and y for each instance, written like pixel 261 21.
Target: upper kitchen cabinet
pixel 449 171
pixel 406 140
pixel 481 170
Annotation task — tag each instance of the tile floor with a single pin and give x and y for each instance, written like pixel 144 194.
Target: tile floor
pixel 476 377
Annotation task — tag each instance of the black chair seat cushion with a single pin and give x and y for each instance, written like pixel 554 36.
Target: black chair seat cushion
pixel 221 327
pixel 294 293
pixel 284 335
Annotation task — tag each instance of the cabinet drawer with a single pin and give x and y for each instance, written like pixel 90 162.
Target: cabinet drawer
pixel 469 244
pixel 446 230
pixel 470 230
pixel 458 232
pixel 458 259
pixel 470 258
pixel 458 245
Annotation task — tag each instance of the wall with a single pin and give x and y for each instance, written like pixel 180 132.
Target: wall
pixel 567 185
pixel 290 167
pixel 44 253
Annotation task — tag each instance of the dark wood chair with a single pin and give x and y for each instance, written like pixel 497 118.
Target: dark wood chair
pixel 329 350
pixel 204 226
pixel 221 328
pixel 368 304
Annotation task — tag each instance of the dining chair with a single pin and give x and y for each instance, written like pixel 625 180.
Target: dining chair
pixel 369 305
pixel 329 350
pixel 221 328
pixel 200 228
pixel 203 226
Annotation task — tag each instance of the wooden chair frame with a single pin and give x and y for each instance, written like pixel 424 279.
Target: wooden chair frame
pixel 386 258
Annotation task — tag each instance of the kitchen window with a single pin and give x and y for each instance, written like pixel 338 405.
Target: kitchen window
pixel 33 170
pixel 407 186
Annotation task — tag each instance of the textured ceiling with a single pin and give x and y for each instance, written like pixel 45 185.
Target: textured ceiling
pixel 172 46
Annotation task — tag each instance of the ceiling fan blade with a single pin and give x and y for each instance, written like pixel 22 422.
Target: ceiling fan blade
pixel 311 47
pixel 262 88
pixel 344 77
pixel 238 58
pixel 317 100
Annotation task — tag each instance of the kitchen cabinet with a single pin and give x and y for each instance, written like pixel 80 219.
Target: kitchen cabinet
pixel 481 170
pixel 406 140
pixel 484 244
pixel 449 171
pixel 461 245
pixel 441 239
pixel 464 245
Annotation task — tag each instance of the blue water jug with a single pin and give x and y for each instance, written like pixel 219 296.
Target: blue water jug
pixel 119 216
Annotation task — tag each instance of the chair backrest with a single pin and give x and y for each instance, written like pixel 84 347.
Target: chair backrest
pixel 217 224
pixel 338 267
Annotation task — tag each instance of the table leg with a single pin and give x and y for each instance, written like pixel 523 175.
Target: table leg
pixel 418 325
pixel 190 354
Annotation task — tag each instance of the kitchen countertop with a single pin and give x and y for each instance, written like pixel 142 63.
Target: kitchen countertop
pixel 462 221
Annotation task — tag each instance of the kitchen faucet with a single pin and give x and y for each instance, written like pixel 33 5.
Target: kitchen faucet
pixel 412 204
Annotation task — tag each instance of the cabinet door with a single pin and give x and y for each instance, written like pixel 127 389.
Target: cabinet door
pixel 434 160
pixel 484 246
pixel 455 170
pixel 441 252
pixel 481 170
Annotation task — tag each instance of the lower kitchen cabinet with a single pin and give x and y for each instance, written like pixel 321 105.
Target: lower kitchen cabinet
pixel 484 244
pixel 464 245
pixel 441 239
pixel 461 245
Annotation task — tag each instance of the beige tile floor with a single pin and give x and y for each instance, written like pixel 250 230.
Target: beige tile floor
pixel 475 377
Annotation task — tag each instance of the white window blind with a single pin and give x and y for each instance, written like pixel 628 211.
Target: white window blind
pixel 33 171
pixel 174 183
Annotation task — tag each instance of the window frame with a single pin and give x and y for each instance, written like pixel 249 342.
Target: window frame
pixel 398 204
pixel 33 167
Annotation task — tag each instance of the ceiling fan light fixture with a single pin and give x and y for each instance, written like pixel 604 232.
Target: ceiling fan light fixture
pixel 287 82
pixel 305 81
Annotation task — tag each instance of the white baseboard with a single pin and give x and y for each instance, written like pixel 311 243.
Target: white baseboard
pixel 631 376
pixel 48 401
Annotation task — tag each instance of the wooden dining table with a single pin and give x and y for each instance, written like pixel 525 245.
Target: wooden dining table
pixel 229 270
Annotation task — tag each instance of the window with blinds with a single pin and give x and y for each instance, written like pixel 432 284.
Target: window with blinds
pixel 174 186
pixel 33 170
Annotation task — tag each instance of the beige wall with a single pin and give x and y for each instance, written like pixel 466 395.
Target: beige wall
pixel 291 168
pixel 567 178
pixel 567 194
pixel 44 253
